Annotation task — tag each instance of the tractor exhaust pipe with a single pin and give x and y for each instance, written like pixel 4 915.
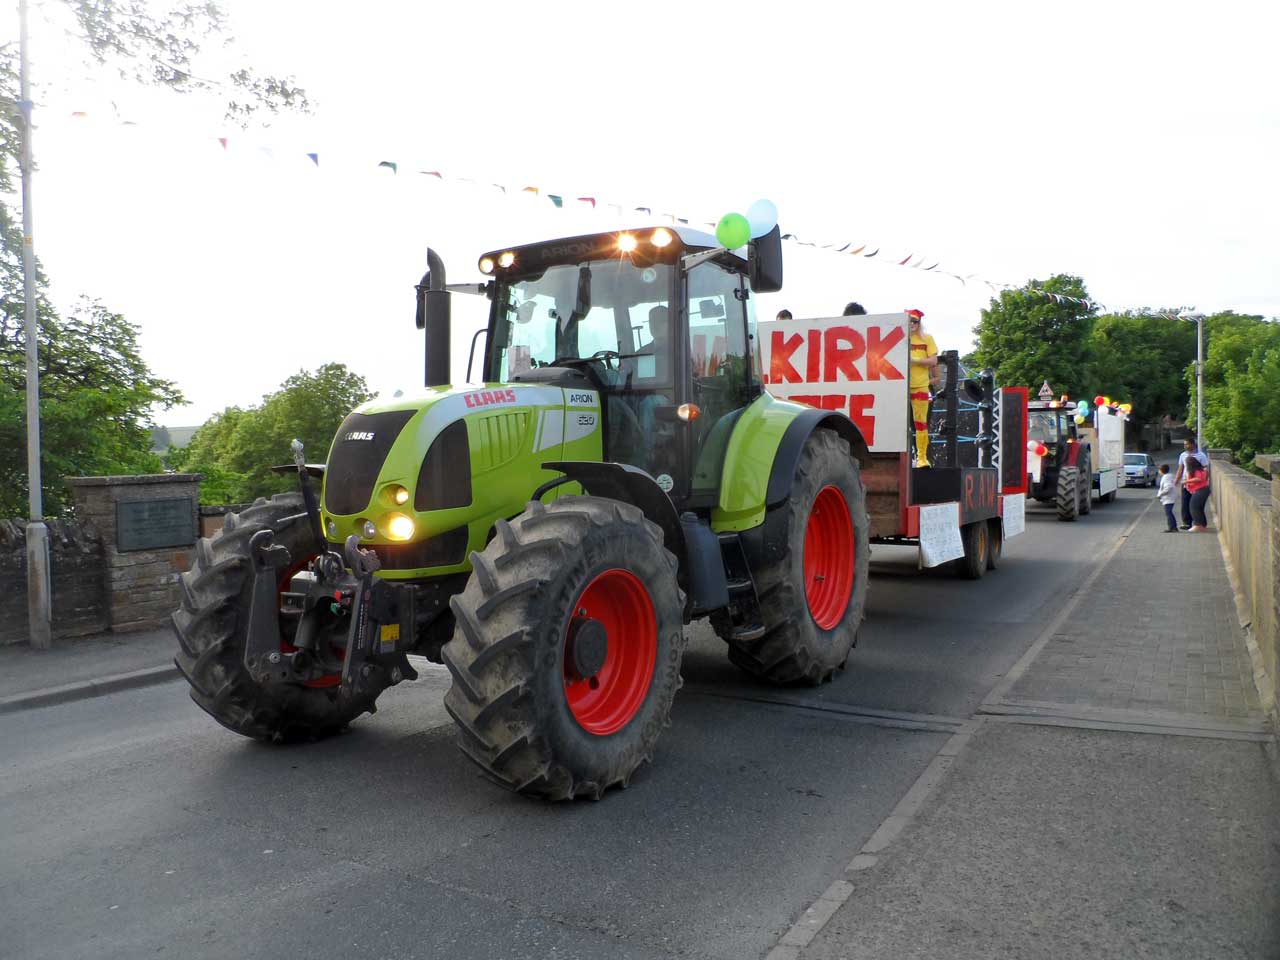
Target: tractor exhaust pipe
pixel 433 317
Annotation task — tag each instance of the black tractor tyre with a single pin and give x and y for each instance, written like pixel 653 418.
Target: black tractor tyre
pixel 995 542
pixel 794 648
pixel 212 628
pixel 513 657
pixel 977 550
pixel 1068 498
pixel 1086 484
pixel 1108 497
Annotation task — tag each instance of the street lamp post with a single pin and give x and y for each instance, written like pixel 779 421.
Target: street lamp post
pixel 1199 379
pixel 38 594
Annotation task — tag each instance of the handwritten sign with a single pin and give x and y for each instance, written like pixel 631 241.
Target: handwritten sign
pixel 940 533
pixel 1015 514
pixel 857 365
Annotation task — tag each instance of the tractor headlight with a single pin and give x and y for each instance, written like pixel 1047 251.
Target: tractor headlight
pixel 506 260
pixel 397 494
pixel 332 529
pixel 660 237
pixel 486 265
pixel 626 243
pixel 367 529
pixel 399 527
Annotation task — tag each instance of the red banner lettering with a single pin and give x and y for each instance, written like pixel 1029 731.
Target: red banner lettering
pixel 840 357
pixel 878 365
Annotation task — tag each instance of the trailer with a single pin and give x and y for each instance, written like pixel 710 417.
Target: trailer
pixel 961 509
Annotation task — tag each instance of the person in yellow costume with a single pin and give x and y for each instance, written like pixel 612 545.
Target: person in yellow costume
pixel 924 362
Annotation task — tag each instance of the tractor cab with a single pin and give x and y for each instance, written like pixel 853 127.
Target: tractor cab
pixel 1052 423
pixel 659 321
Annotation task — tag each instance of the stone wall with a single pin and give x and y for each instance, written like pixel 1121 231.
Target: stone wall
pixel 1248 521
pixel 79 591
pixel 144 554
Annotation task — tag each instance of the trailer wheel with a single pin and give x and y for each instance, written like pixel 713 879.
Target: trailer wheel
pixel 212 628
pixel 566 656
pixel 812 595
pixel 1085 469
pixel 1068 498
pixel 995 542
pixel 977 550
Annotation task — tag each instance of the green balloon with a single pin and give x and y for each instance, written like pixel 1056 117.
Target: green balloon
pixel 733 231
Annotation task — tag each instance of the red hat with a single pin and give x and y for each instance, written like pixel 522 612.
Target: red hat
pixel 918 314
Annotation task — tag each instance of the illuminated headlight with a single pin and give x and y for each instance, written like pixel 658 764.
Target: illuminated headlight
pixel 626 242
pixel 660 237
pixel 506 259
pixel 486 265
pixel 398 494
pixel 368 530
pixel 399 527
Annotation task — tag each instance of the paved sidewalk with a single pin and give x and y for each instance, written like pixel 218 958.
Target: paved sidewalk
pixel 84 667
pixel 1157 637
pixel 1117 796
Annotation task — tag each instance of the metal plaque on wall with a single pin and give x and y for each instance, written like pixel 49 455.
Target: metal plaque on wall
pixel 152 524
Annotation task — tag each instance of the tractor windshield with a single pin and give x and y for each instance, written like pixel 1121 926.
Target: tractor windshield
pixel 613 309
pixel 1042 425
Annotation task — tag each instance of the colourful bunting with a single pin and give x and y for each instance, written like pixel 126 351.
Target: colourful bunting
pixel 390 165
pixel 315 158
pixel 558 201
pixel 590 200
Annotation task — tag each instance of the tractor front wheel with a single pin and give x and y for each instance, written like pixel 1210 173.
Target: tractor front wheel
pixel 813 593
pixel 212 629
pixel 566 656
pixel 1068 498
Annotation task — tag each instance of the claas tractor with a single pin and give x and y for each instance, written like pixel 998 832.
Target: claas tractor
pixel 548 535
pixel 1063 473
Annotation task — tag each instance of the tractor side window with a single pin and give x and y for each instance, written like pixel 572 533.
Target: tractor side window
pixel 719 356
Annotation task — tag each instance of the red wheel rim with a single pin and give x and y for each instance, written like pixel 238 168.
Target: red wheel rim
pixel 329 679
pixel 605 703
pixel 829 556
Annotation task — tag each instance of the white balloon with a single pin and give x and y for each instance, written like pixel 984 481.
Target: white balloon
pixel 762 216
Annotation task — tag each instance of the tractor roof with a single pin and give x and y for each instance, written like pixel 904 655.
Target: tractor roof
pixel 596 246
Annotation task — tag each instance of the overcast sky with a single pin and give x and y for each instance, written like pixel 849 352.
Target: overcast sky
pixel 1132 144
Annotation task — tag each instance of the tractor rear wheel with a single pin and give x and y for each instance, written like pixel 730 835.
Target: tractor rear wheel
pixel 1086 485
pixel 566 656
pixel 812 596
pixel 212 628
pixel 1068 498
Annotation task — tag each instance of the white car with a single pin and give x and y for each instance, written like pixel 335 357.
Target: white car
pixel 1140 470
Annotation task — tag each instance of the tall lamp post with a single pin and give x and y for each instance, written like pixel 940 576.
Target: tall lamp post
pixel 1199 319
pixel 39 616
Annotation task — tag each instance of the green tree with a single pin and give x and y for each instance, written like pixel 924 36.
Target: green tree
pixel 1142 358
pixel 237 448
pixel 96 399
pixel 97 396
pixel 1241 384
pixel 1028 337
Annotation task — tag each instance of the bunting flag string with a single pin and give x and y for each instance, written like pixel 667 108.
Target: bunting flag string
pixel 557 201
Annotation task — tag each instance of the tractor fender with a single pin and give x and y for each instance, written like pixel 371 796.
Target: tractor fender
pixel 620 481
pixel 783 472
pixel 693 543
pixel 1073 454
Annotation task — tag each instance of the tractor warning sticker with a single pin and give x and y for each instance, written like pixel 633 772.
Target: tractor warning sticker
pixel 857 365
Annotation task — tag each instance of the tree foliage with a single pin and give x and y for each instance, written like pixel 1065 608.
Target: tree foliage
pixel 1241 384
pixel 1142 359
pixel 96 400
pixel 97 395
pixel 236 448
pixel 1028 338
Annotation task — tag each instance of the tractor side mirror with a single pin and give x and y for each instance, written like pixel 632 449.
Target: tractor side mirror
pixel 764 254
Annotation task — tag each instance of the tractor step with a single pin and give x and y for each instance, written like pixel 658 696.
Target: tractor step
pixel 753 632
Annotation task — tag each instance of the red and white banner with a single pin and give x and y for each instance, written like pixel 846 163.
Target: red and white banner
pixel 857 365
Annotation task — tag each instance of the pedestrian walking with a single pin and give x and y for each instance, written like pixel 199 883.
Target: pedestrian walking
pixel 1167 496
pixel 1192 451
pixel 1198 483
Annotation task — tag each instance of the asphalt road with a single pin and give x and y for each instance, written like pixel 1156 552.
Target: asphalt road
pixel 134 826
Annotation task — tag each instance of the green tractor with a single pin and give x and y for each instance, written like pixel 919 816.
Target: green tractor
pixel 621 473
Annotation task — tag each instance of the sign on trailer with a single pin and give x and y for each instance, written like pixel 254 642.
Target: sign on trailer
pixel 857 365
